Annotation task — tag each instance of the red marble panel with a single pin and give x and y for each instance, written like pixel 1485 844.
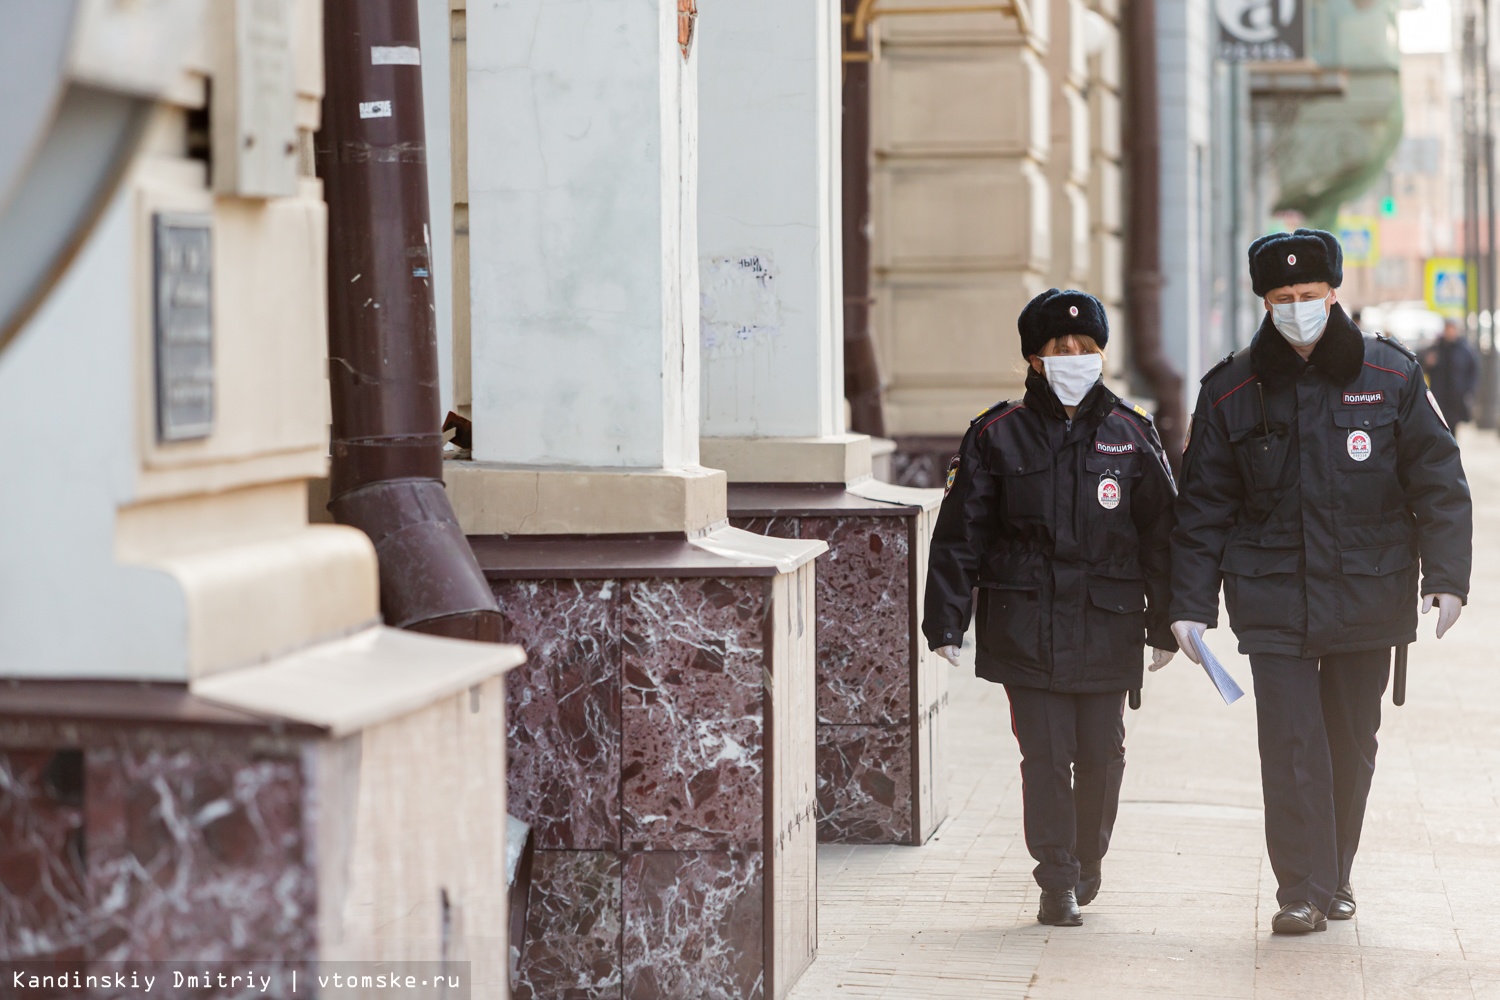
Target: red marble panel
pixel 198 854
pixel 562 711
pixel 864 620
pixel 864 784
pixel 158 846
pixel 864 614
pixel 694 926
pixel 573 922
pixel 693 660
pixel 43 886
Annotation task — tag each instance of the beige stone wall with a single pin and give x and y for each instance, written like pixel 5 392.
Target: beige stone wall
pixel 224 515
pixel 962 210
pixel 1106 192
pixel 1070 165
pixel 193 556
pixel 997 175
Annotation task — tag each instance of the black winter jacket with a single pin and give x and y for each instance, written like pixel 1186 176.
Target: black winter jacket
pixel 1065 531
pixel 1312 489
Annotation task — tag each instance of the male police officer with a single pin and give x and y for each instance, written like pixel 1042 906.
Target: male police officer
pixel 1319 469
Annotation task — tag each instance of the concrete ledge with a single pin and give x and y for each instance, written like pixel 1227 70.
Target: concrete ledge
pixel 724 552
pixel 253 580
pixel 492 499
pixel 838 458
pixel 914 496
pixel 248 603
pixel 882 459
pixel 351 684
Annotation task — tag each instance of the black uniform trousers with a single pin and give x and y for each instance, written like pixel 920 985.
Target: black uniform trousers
pixel 1316 722
pixel 1072 763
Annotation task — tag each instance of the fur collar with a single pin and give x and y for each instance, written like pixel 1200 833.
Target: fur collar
pixel 1339 353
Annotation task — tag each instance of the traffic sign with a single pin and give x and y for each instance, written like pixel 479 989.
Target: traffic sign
pixel 1446 286
pixel 1360 237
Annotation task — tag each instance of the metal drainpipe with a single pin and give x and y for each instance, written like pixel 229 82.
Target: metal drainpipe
pixel 862 384
pixel 387 477
pixel 1143 234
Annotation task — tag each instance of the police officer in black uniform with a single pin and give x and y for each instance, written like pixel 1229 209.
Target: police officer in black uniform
pixel 1059 509
pixel 1319 474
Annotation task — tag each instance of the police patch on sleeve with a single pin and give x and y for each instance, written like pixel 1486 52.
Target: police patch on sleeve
pixel 952 474
pixel 1437 409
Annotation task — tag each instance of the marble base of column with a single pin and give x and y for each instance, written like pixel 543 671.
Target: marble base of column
pixel 661 745
pixel 150 823
pixel 922 460
pixel 881 692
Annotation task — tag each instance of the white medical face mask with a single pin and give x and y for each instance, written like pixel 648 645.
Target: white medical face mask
pixel 1301 323
pixel 1073 375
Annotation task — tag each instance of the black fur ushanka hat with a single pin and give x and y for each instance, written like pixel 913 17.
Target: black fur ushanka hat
pixel 1057 313
pixel 1294 258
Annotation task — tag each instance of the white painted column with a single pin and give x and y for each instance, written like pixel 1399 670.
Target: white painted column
pixel 435 25
pixel 769 240
pixel 582 127
pixel 768 219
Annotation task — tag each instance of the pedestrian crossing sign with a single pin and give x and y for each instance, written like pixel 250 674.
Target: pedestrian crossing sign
pixel 1359 235
pixel 1447 287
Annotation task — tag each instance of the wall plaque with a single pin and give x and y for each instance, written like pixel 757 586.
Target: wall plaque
pixel 184 326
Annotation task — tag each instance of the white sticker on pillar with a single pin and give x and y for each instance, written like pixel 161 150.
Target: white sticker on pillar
pixel 738 301
pixel 374 109
pixel 395 55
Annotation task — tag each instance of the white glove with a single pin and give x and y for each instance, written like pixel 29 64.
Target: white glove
pixel 949 653
pixel 1184 631
pixel 1448 606
pixel 1160 658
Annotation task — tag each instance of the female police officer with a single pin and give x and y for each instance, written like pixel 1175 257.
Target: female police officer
pixel 1059 509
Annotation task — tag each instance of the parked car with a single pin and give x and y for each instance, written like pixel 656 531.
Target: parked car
pixel 1410 322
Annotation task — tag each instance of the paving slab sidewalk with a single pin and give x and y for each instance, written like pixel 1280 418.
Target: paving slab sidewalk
pixel 1188 893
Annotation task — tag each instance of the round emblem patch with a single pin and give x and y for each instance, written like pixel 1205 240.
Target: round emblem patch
pixel 1072 310
pixel 1291 258
pixel 1109 493
pixel 1359 445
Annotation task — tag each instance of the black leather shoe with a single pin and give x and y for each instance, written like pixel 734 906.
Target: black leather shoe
pixel 1298 918
pixel 1343 904
pixel 1059 908
pixel 1089 881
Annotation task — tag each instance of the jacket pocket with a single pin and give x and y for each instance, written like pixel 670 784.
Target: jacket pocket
pixel 1026 485
pixel 1261 588
pixel 1115 626
pixel 1012 616
pixel 1364 440
pixel 1106 493
pixel 1379 585
pixel 1260 452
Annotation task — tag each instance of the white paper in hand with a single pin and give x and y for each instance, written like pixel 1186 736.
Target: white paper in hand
pixel 1228 689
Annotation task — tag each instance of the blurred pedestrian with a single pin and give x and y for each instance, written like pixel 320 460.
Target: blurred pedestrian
pixel 1318 471
pixel 1452 367
pixel 1059 509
